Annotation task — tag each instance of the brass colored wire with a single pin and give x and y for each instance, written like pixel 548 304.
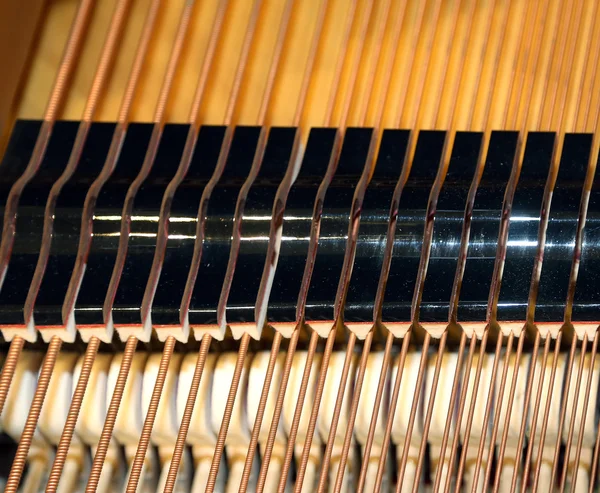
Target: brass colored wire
pixel 546 413
pixel 312 346
pixel 46 370
pixel 563 478
pixel 511 399
pixel 392 410
pixel 59 89
pixel 142 448
pixel 586 396
pixel 111 415
pixel 360 377
pixel 264 467
pixel 459 414
pixel 534 417
pixel 8 369
pixel 220 445
pixel 488 409
pixel 206 339
pixel 67 434
pixel 235 244
pixel 308 71
pixel 187 415
pixel 563 406
pixel 262 403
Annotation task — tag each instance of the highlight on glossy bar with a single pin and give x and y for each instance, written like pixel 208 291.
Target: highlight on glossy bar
pixel 300 245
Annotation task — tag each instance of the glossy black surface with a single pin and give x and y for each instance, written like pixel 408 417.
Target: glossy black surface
pixel 126 308
pixel 30 221
pixel 67 225
pixel 375 215
pixel 521 248
pixel 408 240
pixel 256 223
pixel 219 226
pixel 524 223
pixel 334 225
pixel 182 227
pixel 296 226
pixel 562 227
pixel 16 157
pixel 107 226
pixel 447 230
pixel 586 302
pixel 481 255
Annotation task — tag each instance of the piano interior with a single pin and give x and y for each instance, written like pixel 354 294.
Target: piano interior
pixel 280 245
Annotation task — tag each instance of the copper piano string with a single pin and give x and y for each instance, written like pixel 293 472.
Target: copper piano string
pixel 583 209
pixel 594 152
pixel 389 339
pixel 159 123
pixel 465 238
pixel 420 18
pixel 416 118
pixel 92 347
pixel 276 217
pixel 387 75
pixel 110 162
pixel 69 428
pixel 534 418
pixel 495 293
pixel 314 233
pixel 459 273
pixel 581 222
pixel 397 27
pixel 503 233
pixel 8 369
pixel 346 104
pixel 223 153
pixel 593 127
pixel 586 395
pixel 516 78
pixel 84 242
pixel 131 344
pixel 352 233
pixel 102 72
pixel 308 70
pixel 563 476
pixel 111 416
pixel 568 310
pixel 186 159
pixel 56 99
pixel 451 125
pixel 257 159
pixel 34 412
pixel 568 55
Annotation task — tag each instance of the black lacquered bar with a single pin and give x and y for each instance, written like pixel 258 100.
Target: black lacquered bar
pixel 408 240
pixel 67 226
pixel 586 300
pixel 126 308
pixel 333 233
pixel 219 227
pixel 297 223
pixel 483 239
pixel 107 226
pixel 182 227
pixel 562 228
pixel 524 224
pixel 447 229
pixel 30 223
pixel 16 157
pixel 375 214
pixel 256 224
